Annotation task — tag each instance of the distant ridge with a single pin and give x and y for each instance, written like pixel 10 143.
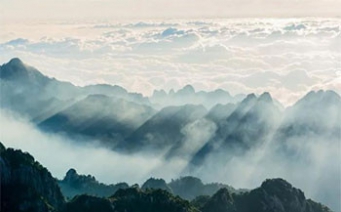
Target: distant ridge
pixel 206 132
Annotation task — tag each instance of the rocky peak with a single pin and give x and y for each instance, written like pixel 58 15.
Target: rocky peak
pixel 281 188
pixel 274 195
pixel 28 185
pixel 71 174
pixel 16 62
pixel 222 201
pixel 16 70
pixel 278 196
pixel 266 97
pixel 224 194
pixel 187 90
pixel 249 99
pixel 153 183
pixel 221 92
pixel 73 178
pixel 159 93
pixel 13 69
pixel 75 184
pixel 2 147
pixel 320 96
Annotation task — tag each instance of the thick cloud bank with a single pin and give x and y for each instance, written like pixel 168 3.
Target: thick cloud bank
pixel 286 57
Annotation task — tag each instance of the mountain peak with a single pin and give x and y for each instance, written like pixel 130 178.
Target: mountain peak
pixel 249 98
pixel 188 89
pixel 71 174
pixel 221 91
pixel 282 188
pixel 221 201
pixel 159 93
pixel 223 192
pixel 14 68
pixel 275 182
pixel 154 183
pixel 2 147
pixel 16 61
pixel 265 97
pixel 320 96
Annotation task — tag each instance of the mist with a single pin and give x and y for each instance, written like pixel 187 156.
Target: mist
pixel 307 157
pixel 316 171
pixel 59 154
pixel 303 148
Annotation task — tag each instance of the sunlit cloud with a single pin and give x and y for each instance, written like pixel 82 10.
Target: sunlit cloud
pixel 287 57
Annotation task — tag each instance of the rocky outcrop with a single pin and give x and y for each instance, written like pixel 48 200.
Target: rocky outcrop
pixel 75 184
pixel 153 183
pixel 26 185
pixel 275 195
pixel 190 187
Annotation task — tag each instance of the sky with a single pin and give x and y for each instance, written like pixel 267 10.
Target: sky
pixel 137 9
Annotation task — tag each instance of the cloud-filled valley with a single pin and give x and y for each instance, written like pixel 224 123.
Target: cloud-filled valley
pixel 122 136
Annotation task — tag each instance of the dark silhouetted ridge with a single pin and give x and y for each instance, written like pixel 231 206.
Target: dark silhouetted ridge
pixel 14 68
pixel 26 185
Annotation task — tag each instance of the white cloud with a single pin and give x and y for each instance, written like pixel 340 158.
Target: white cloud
pixel 286 55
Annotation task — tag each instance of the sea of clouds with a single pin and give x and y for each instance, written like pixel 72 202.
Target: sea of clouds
pixel 286 57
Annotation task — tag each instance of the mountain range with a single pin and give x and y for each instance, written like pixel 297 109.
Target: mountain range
pixel 28 186
pixel 186 187
pixel 131 122
pixel 207 130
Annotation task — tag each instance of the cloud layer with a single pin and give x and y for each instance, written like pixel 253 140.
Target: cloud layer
pixel 287 57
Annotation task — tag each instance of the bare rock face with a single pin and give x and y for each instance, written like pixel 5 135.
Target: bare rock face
pixel 26 185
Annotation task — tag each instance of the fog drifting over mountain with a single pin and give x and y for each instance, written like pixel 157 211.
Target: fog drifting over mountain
pixel 60 154
pixel 310 158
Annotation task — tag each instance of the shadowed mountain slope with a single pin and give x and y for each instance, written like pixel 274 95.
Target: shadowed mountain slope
pixel 26 185
pixel 99 117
